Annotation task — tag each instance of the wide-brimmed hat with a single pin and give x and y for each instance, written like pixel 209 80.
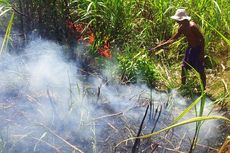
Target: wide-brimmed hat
pixel 181 15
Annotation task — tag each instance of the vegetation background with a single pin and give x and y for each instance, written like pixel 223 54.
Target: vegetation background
pixel 131 27
pixel 127 29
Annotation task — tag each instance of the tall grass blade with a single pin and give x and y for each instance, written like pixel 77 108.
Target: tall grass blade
pixel 188 109
pixel 223 37
pixel 192 120
pixel 217 5
pixel 7 34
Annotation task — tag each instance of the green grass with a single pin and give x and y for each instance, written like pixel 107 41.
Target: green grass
pixel 137 67
pixel 5 9
pixel 134 26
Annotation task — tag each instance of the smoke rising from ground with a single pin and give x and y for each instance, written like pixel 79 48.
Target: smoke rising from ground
pixel 46 101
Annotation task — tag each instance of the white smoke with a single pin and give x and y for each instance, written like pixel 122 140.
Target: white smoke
pixel 42 95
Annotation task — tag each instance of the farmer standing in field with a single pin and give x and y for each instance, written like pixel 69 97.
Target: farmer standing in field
pixel 194 54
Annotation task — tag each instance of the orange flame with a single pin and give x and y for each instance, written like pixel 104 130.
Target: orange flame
pixel 91 38
pixel 105 50
pixel 79 28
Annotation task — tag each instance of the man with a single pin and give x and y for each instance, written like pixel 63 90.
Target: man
pixel 194 55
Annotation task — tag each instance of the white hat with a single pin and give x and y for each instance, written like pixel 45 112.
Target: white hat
pixel 181 15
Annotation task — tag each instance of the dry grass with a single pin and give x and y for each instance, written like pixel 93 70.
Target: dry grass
pixel 218 86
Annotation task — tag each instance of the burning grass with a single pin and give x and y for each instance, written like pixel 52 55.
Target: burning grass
pixel 47 105
pixel 84 34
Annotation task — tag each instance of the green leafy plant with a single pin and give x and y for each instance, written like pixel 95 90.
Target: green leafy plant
pixel 138 67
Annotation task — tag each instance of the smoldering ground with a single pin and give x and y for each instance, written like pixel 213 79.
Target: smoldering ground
pixel 47 105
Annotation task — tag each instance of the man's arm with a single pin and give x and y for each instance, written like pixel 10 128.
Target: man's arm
pixel 169 41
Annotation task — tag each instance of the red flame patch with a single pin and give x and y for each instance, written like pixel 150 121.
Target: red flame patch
pixel 105 50
pixel 78 29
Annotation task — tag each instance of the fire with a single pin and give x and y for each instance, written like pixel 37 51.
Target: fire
pixel 105 50
pixel 77 29
pixel 91 38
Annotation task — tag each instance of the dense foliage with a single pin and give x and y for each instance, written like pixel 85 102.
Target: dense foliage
pixel 126 26
pixel 123 31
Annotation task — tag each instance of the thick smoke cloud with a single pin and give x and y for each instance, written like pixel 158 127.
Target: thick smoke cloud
pixel 47 105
